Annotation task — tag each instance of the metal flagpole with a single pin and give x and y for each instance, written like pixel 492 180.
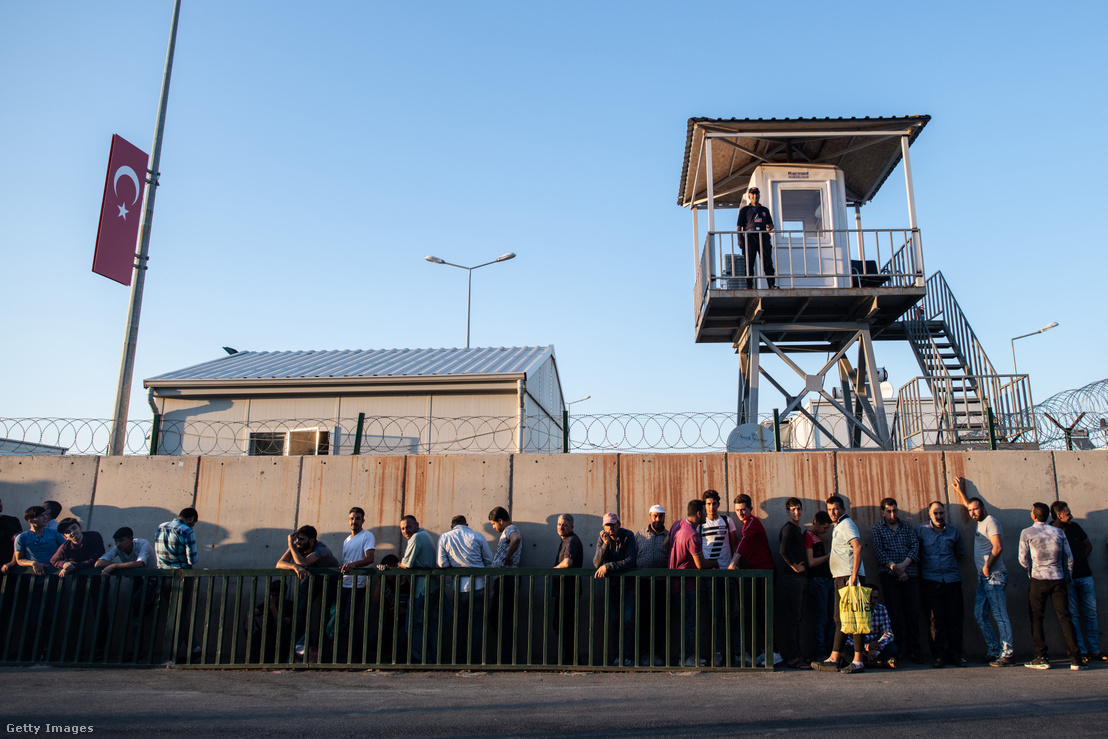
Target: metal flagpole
pixel 118 442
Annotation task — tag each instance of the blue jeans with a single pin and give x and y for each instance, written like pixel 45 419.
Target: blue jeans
pixel 990 601
pixel 820 592
pixel 1083 602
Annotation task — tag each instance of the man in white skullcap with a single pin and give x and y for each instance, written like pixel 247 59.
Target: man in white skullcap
pixel 652 544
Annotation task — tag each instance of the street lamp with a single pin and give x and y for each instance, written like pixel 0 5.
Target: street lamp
pixel 1047 327
pixel 469 293
pixel 565 422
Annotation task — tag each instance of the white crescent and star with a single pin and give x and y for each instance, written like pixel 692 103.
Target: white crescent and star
pixel 125 171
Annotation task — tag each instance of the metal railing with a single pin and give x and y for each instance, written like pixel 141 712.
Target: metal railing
pixel 813 259
pixel 975 409
pixel 410 619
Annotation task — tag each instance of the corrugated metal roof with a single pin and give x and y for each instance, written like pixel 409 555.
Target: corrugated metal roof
pixel 866 162
pixel 362 363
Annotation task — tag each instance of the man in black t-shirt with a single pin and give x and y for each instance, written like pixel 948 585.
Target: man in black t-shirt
pixel 563 590
pixel 1082 591
pixel 756 218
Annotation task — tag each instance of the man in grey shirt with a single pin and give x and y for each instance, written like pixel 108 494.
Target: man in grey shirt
pixel 992 577
pixel 1045 554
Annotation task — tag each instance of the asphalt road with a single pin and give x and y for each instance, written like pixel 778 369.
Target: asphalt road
pixel 917 701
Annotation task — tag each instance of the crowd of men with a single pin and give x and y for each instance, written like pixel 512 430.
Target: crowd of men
pixel 918 575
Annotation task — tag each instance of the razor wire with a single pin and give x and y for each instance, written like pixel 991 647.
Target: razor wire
pixel 598 433
pixel 1066 407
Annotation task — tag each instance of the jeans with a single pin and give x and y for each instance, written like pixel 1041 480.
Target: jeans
pixel 820 595
pixel 990 601
pixel 1083 608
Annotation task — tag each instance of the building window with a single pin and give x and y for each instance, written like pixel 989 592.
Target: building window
pixel 289 443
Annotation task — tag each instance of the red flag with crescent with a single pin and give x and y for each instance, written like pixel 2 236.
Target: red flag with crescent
pixel 120 211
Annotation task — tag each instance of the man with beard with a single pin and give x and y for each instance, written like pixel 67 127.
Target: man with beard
pixel 1045 554
pixel 940 548
pixel 992 577
pixel 419 555
pixel 652 552
pixel 896 549
pixel 1082 590
pixel 615 554
pixel 307 552
pixel 358 551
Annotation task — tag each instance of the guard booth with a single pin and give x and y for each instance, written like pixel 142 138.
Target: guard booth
pixel 838 284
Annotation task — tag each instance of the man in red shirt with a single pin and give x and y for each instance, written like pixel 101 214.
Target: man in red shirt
pixel 687 553
pixel 752 553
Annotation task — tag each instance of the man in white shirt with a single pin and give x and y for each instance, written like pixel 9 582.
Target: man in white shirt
pixel 132 553
pixel 502 596
pixel 357 553
pixel 847 569
pixel 1045 554
pixel 464 547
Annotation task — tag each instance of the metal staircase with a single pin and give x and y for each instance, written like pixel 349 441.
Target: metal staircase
pixel 962 382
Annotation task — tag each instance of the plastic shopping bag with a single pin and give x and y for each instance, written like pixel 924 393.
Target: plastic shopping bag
pixel 855 609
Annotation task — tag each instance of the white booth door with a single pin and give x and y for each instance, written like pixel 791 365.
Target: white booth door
pixel 807 254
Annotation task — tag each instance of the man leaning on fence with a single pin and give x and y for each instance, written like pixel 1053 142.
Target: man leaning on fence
pixel 564 590
pixel 465 548
pixel 687 553
pixel 80 552
pixel 419 554
pixel 652 546
pixel 175 547
pixel 503 605
pixel 33 549
pixel 847 569
pixel 614 555
pixel 132 554
pixel 358 551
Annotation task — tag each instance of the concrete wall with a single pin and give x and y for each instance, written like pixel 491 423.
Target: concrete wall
pixel 248 506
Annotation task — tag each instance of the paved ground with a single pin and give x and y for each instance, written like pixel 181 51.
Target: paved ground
pixel 918 701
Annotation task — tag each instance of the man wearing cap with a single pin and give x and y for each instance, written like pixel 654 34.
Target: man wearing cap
pixel 615 553
pixel 652 553
pixel 755 217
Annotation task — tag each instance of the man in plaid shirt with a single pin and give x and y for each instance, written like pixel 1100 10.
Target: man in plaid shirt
pixel 881 650
pixel 897 550
pixel 175 547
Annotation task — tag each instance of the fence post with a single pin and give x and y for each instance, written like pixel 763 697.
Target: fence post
pixel 565 431
pixel 155 430
pixel 992 428
pixel 358 434
pixel 776 430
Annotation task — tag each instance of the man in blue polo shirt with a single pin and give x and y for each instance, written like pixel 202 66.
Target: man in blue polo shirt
pixel 940 548
pixel 34 548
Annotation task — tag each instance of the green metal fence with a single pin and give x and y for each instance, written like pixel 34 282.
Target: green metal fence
pixel 408 619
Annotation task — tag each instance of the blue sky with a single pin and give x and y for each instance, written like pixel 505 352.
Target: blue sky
pixel 315 152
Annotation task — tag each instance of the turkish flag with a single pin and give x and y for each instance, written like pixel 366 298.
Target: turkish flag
pixel 120 212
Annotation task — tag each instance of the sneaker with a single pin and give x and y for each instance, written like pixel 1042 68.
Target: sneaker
pixel 1039 663
pixel 761 660
pixel 1097 657
pixel 777 658
pixel 852 668
pixel 627 662
pixel 990 658
pixel 658 662
pixel 718 662
pixel 1076 664
pixel 692 662
pixel 1001 662
pixel 825 666
pixel 891 663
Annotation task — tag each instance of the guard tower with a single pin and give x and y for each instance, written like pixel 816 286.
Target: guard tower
pixel 837 283
pixel 838 286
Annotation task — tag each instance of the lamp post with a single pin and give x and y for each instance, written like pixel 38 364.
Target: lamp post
pixel 1047 327
pixel 469 292
pixel 565 423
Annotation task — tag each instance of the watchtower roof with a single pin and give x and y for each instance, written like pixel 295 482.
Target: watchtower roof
pixel 865 149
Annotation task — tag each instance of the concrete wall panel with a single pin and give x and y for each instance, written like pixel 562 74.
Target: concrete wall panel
pixel 247 508
pixel 913 478
pixel 142 492
pixel 669 479
pixel 437 488
pixel 330 486
pixel 546 485
pixel 27 481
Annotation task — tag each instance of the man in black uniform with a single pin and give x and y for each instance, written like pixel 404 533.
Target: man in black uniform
pixel 754 217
